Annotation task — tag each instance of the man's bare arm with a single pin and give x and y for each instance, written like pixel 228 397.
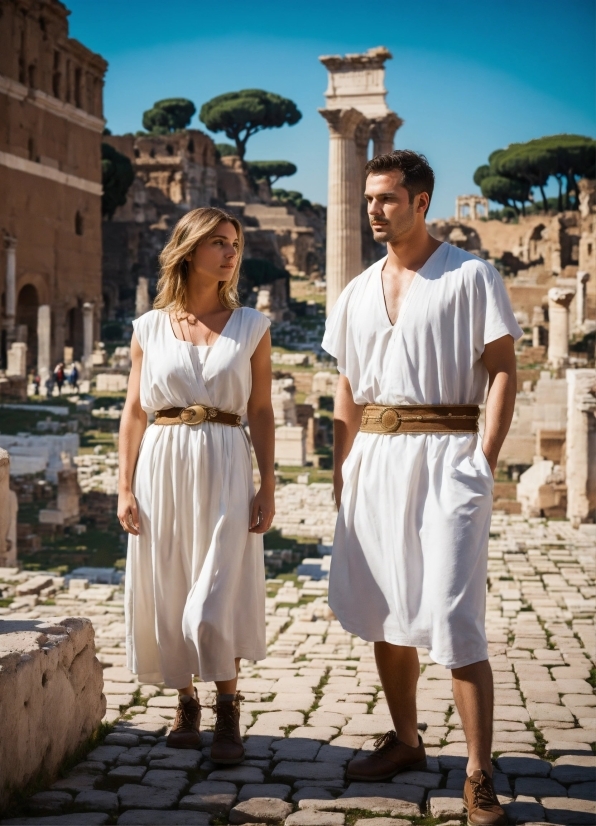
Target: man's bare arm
pixel 499 360
pixel 346 422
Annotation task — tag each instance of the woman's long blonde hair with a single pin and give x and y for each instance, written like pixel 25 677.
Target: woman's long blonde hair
pixel 191 230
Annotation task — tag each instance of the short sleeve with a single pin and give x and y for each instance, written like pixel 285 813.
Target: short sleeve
pixel 335 340
pixel 259 326
pixel 141 326
pixel 499 319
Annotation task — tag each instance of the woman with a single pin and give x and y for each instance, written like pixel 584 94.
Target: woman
pixel 195 580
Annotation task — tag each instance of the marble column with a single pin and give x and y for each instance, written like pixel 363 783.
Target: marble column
pixel 44 342
pixel 383 132
pixel 4 505
pixel 142 301
pixel 88 308
pixel 537 326
pixel 580 302
pixel 559 299
pixel 10 290
pixel 344 235
pixel 580 446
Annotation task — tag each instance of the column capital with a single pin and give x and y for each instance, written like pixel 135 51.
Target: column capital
pixel 10 241
pixel 562 296
pixel 88 306
pixel 582 277
pixel 343 123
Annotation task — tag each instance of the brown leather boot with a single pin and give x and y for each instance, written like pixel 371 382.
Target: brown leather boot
pixel 390 757
pixel 227 745
pixel 185 731
pixel 481 801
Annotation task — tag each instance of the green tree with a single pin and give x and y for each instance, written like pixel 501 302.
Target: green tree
pixel 506 191
pixel 239 115
pixel 117 175
pixel 528 162
pixel 291 196
pixel 481 173
pixel 225 149
pixel 169 115
pixel 272 171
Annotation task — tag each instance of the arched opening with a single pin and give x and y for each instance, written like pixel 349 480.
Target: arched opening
pixel 27 306
pixel 77 88
pixel 73 331
pixel 31 75
pixel 169 149
pixel 535 245
pixel 190 146
pixel 79 223
pixel 31 149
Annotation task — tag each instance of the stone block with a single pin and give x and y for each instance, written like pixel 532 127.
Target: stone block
pixel 312 793
pixel 127 774
pixel 138 796
pixel 332 753
pixel 524 810
pixel 568 810
pixel 51 802
pixel 295 749
pixel 147 817
pixel 290 770
pixel 427 780
pixel 385 821
pixel 575 769
pixel 548 711
pixel 307 818
pixel 539 787
pixel 94 801
pixel 210 796
pixel 76 782
pixel 75 819
pixel 377 805
pixel 165 779
pixel 402 792
pixel 238 774
pixel 52 700
pixel 322 733
pixel 584 791
pixel 184 760
pixel 260 810
pixel 250 790
pixel 445 802
pixel 523 765
pixel 133 756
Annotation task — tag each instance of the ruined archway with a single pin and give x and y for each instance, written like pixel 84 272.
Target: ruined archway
pixel 26 321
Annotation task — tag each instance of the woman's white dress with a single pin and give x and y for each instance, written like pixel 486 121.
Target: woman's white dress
pixel 409 558
pixel 195 578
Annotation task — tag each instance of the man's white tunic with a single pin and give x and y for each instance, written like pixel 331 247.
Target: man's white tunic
pixel 411 544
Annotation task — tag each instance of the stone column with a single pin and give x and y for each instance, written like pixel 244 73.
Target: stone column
pixel 10 245
pixel 142 302
pixel 88 308
pixel 537 325
pixel 44 342
pixel 580 302
pixel 581 446
pixel 559 299
pixel 4 505
pixel 383 132
pixel 344 237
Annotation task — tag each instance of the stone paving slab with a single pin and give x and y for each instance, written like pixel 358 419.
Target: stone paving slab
pixel 316 701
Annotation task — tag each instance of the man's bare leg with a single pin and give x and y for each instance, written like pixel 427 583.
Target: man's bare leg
pixel 474 698
pixel 399 669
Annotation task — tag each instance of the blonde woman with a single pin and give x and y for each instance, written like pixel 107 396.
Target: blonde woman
pixel 195 581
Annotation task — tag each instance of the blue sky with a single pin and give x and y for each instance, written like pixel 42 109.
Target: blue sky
pixel 467 77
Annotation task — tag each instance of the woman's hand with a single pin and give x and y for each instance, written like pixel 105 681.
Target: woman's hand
pixel 262 510
pixel 128 513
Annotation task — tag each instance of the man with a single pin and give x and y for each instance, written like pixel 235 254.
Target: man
pixel 417 337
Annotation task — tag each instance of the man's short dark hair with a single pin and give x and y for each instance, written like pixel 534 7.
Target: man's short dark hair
pixel 417 173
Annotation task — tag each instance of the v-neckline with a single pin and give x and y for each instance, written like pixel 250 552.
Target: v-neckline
pixel 411 289
pixel 202 346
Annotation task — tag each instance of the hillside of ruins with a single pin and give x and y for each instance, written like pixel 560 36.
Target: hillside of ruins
pixel 81 740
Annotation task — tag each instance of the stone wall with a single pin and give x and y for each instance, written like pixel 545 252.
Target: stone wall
pixel 51 696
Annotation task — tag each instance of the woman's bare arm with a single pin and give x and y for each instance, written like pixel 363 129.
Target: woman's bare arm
pixel 347 416
pixel 262 434
pixel 499 360
pixel 132 428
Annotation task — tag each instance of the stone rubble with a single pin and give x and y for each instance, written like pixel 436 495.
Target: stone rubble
pixel 316 701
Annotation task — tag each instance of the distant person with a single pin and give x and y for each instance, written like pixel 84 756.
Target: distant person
pixel 50 382
pixel 59 376
pixel 73 378
pixel 195 577
pixel 36 383
pixel 418 338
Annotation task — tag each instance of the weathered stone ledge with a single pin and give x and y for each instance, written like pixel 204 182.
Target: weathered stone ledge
pixel 51 696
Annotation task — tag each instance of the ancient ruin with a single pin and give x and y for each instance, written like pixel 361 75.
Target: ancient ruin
pixel 51 88
pixel 356 113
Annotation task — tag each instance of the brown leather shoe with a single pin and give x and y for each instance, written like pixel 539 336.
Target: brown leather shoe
pixel 481 801
pixel 390 757
pixel 185 731
pixel 227 745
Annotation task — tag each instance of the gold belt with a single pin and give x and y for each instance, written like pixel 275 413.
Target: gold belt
pixel 420 418
pixel 196 414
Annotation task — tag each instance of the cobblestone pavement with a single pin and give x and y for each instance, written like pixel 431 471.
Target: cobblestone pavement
pixel 316 701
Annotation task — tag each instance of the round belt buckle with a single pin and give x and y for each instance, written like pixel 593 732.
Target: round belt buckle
pixel 196 414
pixel 390 420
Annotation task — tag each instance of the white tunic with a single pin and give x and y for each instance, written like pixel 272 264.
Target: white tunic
pixel 195 579
pixel 410 552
